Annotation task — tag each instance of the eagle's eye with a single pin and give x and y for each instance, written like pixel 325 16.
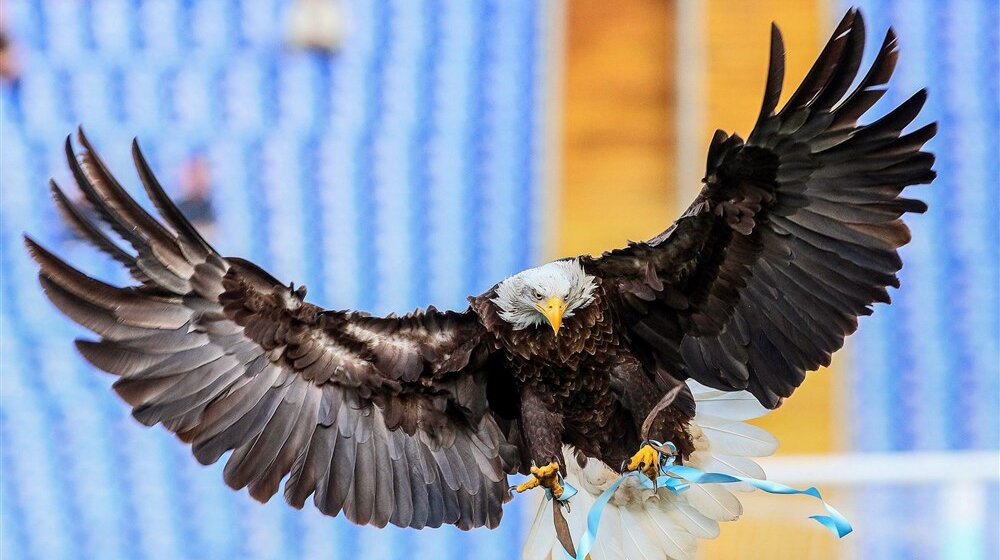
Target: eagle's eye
pixel 536 294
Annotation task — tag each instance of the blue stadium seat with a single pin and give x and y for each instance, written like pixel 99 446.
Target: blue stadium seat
pixel 359 173
pixel 925 374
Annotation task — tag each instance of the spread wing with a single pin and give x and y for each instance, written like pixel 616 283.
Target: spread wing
pixel 384 419
pixel 794 235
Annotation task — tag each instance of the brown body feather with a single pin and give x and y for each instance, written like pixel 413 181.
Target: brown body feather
pixel 581 387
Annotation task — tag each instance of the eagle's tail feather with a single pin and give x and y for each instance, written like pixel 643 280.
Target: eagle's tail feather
pixel 640 525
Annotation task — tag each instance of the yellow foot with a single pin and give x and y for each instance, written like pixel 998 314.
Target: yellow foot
pixel 546 477
pixel 646 460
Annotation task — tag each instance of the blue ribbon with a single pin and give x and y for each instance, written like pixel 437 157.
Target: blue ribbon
pixel 673 477
pixel 568 491
pixel 835 522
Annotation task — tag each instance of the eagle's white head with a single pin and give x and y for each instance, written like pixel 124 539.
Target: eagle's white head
pixel 545 294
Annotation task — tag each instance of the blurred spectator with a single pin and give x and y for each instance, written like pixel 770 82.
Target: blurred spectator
pixel 10 70
pixel 316 25
pixel 195 201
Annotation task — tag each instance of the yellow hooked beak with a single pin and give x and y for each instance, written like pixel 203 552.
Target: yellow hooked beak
pixel 553 310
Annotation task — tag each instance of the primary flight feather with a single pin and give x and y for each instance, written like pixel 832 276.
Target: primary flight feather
pixel 418 420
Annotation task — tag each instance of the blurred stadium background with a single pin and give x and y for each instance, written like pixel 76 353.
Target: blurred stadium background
pixel 396 153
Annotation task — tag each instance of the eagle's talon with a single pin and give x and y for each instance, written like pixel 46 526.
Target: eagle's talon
pixel 526 485
pixel 646 460
pixel 547 477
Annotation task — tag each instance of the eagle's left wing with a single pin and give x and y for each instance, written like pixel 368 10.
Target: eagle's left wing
pixel 792 238
pixel 382 418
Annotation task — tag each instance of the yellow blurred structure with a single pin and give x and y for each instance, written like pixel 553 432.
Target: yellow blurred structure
pixel 618 134
pixel 620 142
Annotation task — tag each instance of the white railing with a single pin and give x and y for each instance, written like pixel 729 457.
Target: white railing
pixel 964 481
pixel 910 467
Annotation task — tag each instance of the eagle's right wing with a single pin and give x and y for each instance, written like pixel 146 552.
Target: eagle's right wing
pixel 794 235
pixel 385 419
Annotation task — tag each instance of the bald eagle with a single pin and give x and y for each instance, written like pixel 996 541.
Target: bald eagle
pixel 559 372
